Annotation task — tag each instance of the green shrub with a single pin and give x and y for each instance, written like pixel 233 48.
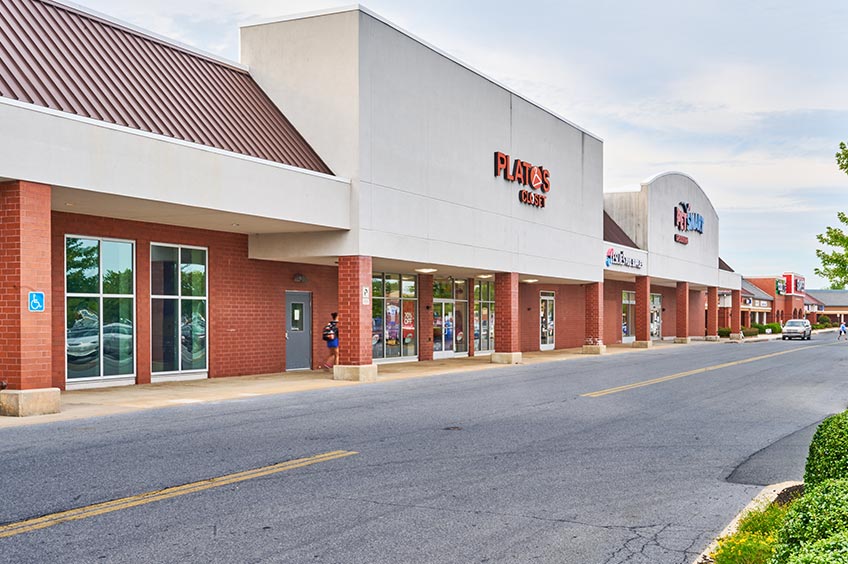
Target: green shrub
pixel 818 326
pixel 744 548
pixel 823 319
pixel 828 456
pixel 775 328
pixel 832 550
pixel 764 521
pixel 724 331
pixel 759 327
pixel 821 513
pixel 750 331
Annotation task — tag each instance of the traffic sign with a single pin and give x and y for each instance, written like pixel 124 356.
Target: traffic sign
pixel 35 301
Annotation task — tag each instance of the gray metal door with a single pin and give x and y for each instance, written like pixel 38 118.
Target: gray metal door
pixel 298 330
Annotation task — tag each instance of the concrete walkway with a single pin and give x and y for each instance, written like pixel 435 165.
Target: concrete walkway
pixel 79 404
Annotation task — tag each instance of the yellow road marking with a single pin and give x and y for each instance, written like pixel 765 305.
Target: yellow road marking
pixel 644 383
pixel 149 497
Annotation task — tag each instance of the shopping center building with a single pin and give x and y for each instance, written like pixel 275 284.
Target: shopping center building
pixel 165 214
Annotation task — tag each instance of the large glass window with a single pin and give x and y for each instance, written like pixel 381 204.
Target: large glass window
pixel 394 305
pixel 178 309
pixel 99 307
pixel 484 316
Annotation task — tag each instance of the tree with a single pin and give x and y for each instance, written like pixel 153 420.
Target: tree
pixel 835 263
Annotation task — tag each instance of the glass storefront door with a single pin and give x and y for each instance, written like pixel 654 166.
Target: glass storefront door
pixel 656 316
pixel 628 317
pixel 546 321
pixel 450 315
pixel 484 316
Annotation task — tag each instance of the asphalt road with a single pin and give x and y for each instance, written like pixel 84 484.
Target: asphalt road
pixel 506 465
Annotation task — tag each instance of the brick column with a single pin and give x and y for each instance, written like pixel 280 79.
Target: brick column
pixel 470 322
pixel 594 304
pixel 26 337
pixel 712 313
pixel 643 312
pixel 736 314
pixel 425 317
pixel 507 342
pixel 355 362
pixel 682 301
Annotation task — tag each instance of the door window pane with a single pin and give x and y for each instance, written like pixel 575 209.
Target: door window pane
pixel 460 290
pixel 437 327
pixel 392 285
pixel 193 335
pixel 408 329
pixel 442 288
pixel 377 340
pixel 164 335
pixel 164 271
pixel 193 270
pixel 393 320
pixel 459 331
pixel 83 337
pixel 117 268
pixel 296 321
pixel 82 275
pixel 117 336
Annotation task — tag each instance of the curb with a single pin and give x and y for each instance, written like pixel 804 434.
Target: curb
pixel 765 497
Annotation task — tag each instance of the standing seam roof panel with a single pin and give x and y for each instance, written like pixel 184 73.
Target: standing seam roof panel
pixel 65 59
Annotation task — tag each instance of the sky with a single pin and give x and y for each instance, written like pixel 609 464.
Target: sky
pixel 748 98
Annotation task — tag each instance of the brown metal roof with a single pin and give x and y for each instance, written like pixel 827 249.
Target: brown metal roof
pixel 61 58
pixel 615 234
pixel 723 265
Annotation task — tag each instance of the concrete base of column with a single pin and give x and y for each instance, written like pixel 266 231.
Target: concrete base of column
pixel 506 358
pixel 594 349
pixel 711 338
pixel 363 373
pixel 25 403
pixel 736 336
pixel 682 340
pixel 642 344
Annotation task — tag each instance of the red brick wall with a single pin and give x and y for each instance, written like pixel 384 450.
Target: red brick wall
pixel 594 304
pixel 247 298
pixel 736 311
pixel 507 315
pixel 612 309
pixel 643 308
pixel 25 358
pixel 712 311
pixel 697 320
pixel 425 317
pixel 569 315
pixel 681 298
pixel 354 316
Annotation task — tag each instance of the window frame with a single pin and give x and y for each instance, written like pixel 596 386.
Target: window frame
pixel 171 374
pixel 89 380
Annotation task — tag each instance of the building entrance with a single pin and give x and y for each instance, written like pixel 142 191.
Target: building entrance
pixel 546 321
pixel 298 330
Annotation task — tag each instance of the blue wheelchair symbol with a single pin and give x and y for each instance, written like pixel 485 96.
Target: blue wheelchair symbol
pixel 36 301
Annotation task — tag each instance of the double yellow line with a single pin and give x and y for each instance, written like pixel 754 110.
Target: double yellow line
pixel 29 525
pixel 644 383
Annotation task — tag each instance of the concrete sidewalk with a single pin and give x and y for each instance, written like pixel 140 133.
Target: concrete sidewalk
pixel 80 404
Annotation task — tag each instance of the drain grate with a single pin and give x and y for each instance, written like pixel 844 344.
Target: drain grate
pixel 452 429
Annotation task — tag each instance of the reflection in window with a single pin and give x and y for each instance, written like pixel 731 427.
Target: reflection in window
pixel 178 309
pixel 100 307
pixel 393 316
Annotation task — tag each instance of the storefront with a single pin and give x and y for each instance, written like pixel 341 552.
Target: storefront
pixel 191 231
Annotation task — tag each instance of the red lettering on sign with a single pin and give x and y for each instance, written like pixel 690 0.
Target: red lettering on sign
pixel 518 171
pixel 546 180
pixel 535 178
pixel 682 239
pixel 501 162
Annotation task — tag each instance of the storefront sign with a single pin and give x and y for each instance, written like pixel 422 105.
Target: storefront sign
pixel 685 221
pixel 618 258
pixel 793 284
pixel 525 174
pixel 780 286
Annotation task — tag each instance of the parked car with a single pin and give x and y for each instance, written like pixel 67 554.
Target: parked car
pixel 799 328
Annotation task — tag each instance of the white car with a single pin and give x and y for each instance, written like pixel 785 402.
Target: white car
pixel 799 328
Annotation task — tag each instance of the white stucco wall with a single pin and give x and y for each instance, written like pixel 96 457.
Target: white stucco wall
pixel 64 150
pixel 424 189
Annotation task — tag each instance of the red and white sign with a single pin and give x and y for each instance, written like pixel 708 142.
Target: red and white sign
pixel 535 177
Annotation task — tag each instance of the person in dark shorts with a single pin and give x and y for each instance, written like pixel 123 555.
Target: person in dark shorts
pixel 331 337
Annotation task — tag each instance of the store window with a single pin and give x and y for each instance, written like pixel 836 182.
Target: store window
pixel 394 307
pixel 484 316
pixel 178 288
pixel 99 308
